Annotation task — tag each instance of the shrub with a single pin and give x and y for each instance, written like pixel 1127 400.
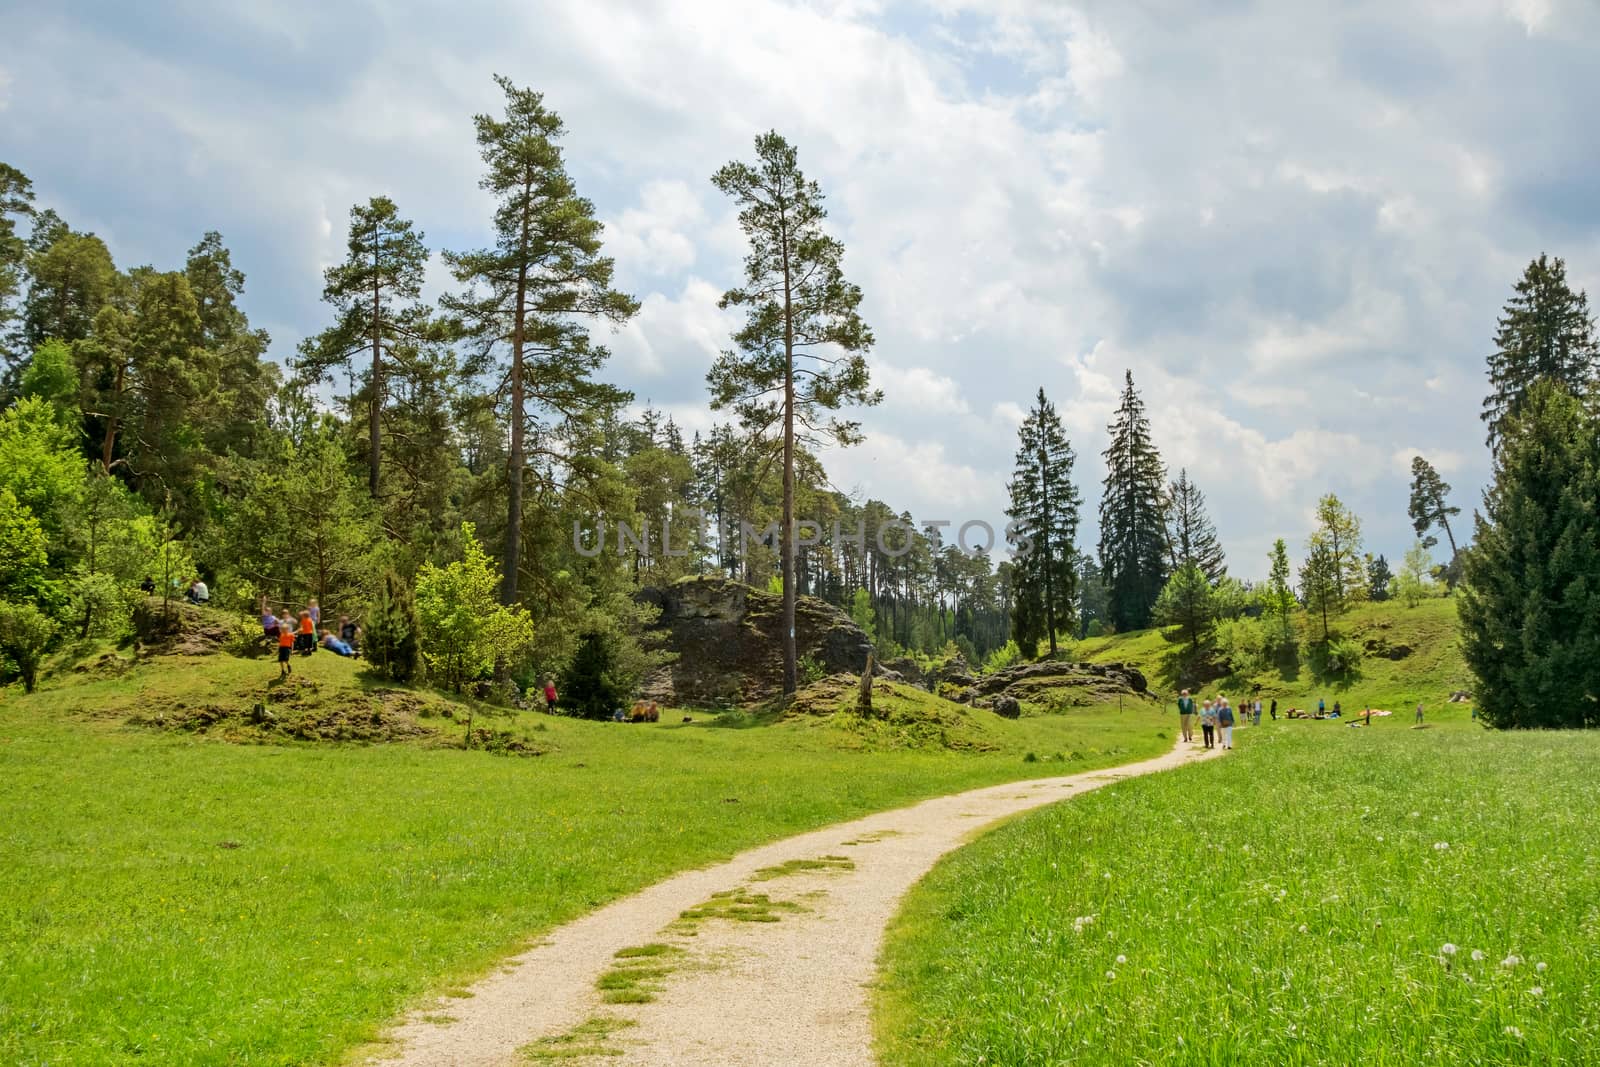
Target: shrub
pixel 391 629
pixel 1002 657
pixel 25 633
pixel 810 669
pixel 465 629
pixel 1242 644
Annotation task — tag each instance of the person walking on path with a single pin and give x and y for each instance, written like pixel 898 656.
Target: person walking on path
pixel 1208 723
pixel 1225 722
pixel 286 639
pixel 1186 716
pixel 1419 711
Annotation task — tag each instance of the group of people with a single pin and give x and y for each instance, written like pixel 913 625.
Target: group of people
pixel 300 634
pixel 1217 718
pixel 642 711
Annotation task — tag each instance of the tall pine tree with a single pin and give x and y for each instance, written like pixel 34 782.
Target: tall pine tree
pixel 1430 506
pixel 375 292
pixel 1530 602
pixel 16 203
pixel 1133 537
pixel 532 294
pixel 1044 504
pixel 1191 537
pixel 801 350
pixel 1545 332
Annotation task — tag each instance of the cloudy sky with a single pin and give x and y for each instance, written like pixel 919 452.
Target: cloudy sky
pixel 1294 222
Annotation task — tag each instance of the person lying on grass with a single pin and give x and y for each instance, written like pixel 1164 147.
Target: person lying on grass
pixel 332 643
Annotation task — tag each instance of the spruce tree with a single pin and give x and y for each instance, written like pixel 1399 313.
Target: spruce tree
pixel 801 353
pixel 590 688
pixel 391 630
pixel 1191 537
pixel 1530 599
pixel 1044 504
pixel 532 294
pixel 375 292
pixel 1378 578
pixel 1133 538
pixel 1545 332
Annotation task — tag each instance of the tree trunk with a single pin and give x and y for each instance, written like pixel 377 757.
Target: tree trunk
pixel 786 535
pixel 513 550
pixel 377 376
pixel 108 449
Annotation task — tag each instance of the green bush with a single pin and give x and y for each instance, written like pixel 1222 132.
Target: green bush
pixel 810 669
pixel 25 633
pixel 1242 644
pixel 1002 657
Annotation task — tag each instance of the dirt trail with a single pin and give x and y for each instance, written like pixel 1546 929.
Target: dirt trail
pixel 792 991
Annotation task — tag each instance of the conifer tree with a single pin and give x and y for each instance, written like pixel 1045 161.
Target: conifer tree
pixel 1044 504
pixel 1530 599
pixel 375 292
pixel 1378 577
pixel 801 353
pixel 1430 507
pixel 1545 332
pixel 1133 539
pixel 1191 537
pixel 1187 601
pixel 391 629
pixel 532 294
pixel 1277 602
pixel 16 203
pixel 1320 586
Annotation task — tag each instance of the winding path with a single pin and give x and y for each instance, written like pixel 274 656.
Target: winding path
pixel 793 991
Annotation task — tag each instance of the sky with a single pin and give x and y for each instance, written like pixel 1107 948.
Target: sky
pixel 1295 223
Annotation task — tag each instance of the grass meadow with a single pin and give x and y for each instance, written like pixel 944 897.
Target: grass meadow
pixel 167 898
pixel 1322 895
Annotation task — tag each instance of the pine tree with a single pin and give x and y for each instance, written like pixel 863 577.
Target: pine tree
pixel 1133 539
pixel 1044 504
pixel 801 351
pixel 532 293
pixel 16 203
pixel 391 630
pixel 70 280
pixel 1430 507
pixel 1545 332
pixel 1530 599
pixel 375 292
pixel 1378 577
pixel 1191 537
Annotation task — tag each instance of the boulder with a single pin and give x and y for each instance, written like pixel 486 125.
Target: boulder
pixel 1006 707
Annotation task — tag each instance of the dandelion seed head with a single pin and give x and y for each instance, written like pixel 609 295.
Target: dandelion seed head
pixel 1477 954
pixel 1510 961
pixel 1122 959
pixel 1540 966
pixel 1447 949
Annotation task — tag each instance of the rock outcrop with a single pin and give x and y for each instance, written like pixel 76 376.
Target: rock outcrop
pixel 726 638
pixel 1051 682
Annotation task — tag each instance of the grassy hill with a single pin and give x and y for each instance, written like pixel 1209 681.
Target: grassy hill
pixel 1411 654
pixel 170 894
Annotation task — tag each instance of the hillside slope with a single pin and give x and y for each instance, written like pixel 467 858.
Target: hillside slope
pixel 1411 655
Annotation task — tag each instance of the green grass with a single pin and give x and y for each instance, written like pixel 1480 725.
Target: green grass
pixel 587 1039
pixel 1289 904
pixel 1429 673
pixel 798 866
pixel 171 898
pixel 735 905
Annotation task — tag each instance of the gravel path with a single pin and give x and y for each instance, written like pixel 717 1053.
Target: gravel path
pixel 792 991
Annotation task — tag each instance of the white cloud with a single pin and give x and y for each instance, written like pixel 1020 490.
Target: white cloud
pixel 919 390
